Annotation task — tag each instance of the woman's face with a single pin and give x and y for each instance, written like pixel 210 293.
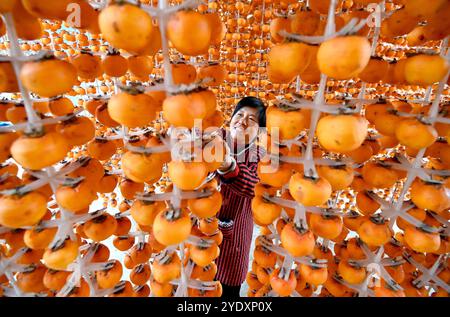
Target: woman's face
pixel 244 125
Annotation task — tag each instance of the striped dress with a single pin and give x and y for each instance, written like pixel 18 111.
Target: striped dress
pixel 237 188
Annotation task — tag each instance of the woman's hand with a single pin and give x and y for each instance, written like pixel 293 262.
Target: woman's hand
pixel 229 160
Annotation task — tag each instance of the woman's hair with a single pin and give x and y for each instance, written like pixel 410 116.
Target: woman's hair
pixel 256 103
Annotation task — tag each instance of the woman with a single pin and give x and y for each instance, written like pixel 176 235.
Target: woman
pixel 238 178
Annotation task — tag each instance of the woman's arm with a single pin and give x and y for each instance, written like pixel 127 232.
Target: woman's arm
pixel 242 179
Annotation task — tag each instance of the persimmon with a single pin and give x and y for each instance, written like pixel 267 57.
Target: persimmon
pixel 166 268
pixel 126 26
pixel 425 69
pixel 187 175
pixel 204 273
pixel 304 22
pixel 264 211
pixel 92 105
pixel 279 24
pixel 263 274
pixel 172 226
pixel 437 27
pixel 366 205
pixel 142 167
pixel 28 27
pixel 132 108
pixel 431 195
pixel 209 226
pixel 203 255
pixel 31 257
pixel 35 76
pixel 326 226
pixel 52 9
pixel 379 175
pixel 311 74
pixel 39 239
pixel 261 188
pixel 252 280
pixel 420 240
pixel 339 176
pixel 354 249
pixel 289 121
pixel 10 80
pixel 140 253
pixel 375 70
pixel 374 231
pixel 7 6
pixel 144 212
pixel 343 57
pixel 77 131
pixel 6 140
pixel 81 291
pixel 399 23
pixel 313 275
pixel 161 289
pixel 182 109
pixel 123 243
pixel 218 28
pixel 101 149
pixel 100 228
pixel 114 64
pixel 183 73
pixel 206 207
pixel 31 280
pixel 286 61
pixel 91 170
pixel 140 66
pixel 417 36
pixel 214 74
pixel 342 133
pixel 415 134
pixel 264 257
pixel 352 274
pixel 110 275
pixel 423 9
pixel 309 191
pixel 55 280
pixel 61 255
pixel 36 151
pixel 417 213
pixel 141 291
pixel 140 274
pixel 278 178
pixel 88 65
pixel 189 32
pixel 61 106
pixel 102 115
pixel 334 287
pixel 281 286
pixel 21 210
pixel 209 99
pixel 76 197
pixel 396 272
pixel 297 241
pixel 128 188
pixel 123 225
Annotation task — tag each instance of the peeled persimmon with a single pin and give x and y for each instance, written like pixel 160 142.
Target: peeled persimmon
pixel 189 32
pixel 36 75
pixel 126 26
pixel 342 133
pixel 343 57
pixel 309 191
